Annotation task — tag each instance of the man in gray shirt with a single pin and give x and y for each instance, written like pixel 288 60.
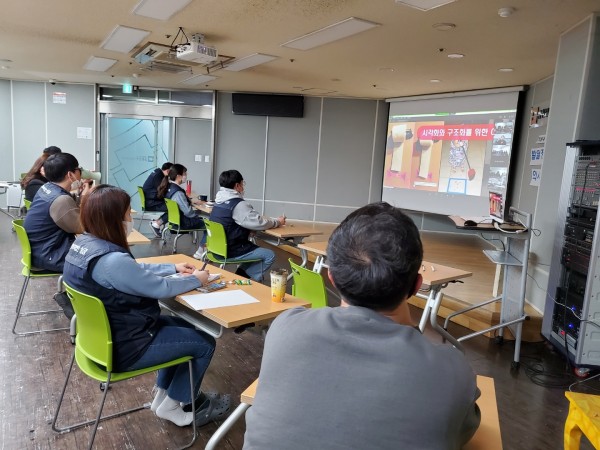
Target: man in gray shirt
pixel 361 376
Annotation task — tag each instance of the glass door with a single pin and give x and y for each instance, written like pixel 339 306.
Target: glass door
pixel 135 146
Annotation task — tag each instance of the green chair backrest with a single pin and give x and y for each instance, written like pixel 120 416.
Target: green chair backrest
pixel 308 285
pixel 173 212
pixel 25 246
pixel 94 338
pixel 142 197
pixel 216 240
pixel 27 204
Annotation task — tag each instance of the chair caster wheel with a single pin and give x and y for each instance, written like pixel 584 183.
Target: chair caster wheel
pixel 102 386
pixel 72 340
pixel 499 340
pixel 515 365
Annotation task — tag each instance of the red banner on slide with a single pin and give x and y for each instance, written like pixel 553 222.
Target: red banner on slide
pixel 470 132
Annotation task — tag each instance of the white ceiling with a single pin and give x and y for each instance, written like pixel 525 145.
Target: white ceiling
pixel 54 39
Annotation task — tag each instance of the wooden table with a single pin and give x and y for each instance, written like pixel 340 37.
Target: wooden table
pixel 213 320
pixel 487 436
pixel 136 238
pixel 435 278
pixel 202 206
pixel 290 234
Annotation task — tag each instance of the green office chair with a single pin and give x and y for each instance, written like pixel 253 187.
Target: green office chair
pixel 27 204
pixel 93 353
pixel 143 203
pixel 216 245
pixel 174 225
pixel 308 285
pixel 30 272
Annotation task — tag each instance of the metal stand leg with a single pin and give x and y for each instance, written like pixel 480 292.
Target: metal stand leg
pixel 226 426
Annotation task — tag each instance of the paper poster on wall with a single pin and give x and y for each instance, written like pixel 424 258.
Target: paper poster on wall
pixel 541 139
pixel 537 156
pixel 536 176
pixel 59 97
pixel 84 133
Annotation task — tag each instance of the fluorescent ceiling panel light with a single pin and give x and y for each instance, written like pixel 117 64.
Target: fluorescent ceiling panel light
pixel 198 79
pixel 124 39
pixel 424 5
pixel 249 61
pixel 331 33
pixel 160 9
pixel 99 64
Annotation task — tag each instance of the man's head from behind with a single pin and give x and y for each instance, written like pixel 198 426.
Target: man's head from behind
pixel 58 166
pixel 374 257
pixel 230 178
pixel 166 167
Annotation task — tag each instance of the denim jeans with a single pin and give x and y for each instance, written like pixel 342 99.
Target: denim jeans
pixel 177 338
pixel 256 269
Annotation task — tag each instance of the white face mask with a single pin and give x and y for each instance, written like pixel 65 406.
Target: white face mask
pixel 183 181
pixel 128 227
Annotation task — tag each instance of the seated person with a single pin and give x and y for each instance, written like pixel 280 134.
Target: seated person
pixel 53 218
pixel 171 188
pixel 360 376
pixel 34 179
pixel 150 188
pixel 99 263
pixel 239 219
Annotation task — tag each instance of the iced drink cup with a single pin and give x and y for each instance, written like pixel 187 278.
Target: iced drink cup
pixel 278 284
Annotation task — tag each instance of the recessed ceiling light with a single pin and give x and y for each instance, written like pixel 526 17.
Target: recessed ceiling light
pixel 424 5
pixel 386 69
pixel 505 69
pixel 5 67
pixel 445 26
pixel 434 80
pixel 249 61
pixel 455 55
pixel 159 9
pixel 99 64
pixel 197 79
pixel 331 33
pixel 124 39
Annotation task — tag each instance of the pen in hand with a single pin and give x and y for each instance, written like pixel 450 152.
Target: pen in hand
pixel 204 266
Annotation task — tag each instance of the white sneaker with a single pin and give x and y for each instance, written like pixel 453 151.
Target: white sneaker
pixel 200 253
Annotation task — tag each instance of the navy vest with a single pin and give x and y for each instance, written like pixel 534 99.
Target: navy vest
pixel 173 188
pixel 150 189
pixel 237 236
pixel 49 243
pixel 133 319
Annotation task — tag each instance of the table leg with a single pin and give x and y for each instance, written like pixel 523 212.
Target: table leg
pixel 226 426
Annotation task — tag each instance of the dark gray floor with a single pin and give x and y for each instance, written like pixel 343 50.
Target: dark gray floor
pixel 32 372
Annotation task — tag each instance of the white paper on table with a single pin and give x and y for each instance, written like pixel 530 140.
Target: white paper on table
pixel 229 297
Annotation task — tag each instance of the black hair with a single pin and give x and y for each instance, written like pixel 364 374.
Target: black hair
pixel 374 257
pixel 229 178
pixel 58 165
pixel 52 150
pixel 166 166
pixel 163 187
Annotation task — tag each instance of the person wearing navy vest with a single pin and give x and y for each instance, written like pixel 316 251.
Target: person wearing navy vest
pixel 100 264
pixel 239 219
pixel 53 218
pixel 171 188
pixel 150 188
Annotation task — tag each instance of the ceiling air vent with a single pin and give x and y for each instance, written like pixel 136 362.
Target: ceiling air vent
pixel 162 66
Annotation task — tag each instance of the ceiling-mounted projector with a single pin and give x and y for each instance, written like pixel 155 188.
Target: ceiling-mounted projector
pixel 197 52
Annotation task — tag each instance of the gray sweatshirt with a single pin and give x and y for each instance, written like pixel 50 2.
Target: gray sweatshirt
pixel 244 214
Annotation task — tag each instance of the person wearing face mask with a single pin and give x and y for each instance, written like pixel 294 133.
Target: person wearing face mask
pixel 173 187
pixel 239 219
pixel 99 263
pixel 53 219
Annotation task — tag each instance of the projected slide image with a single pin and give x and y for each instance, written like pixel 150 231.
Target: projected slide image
pixel 462 160
pixel 398 155
pixel 412 162
pixel 497 178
